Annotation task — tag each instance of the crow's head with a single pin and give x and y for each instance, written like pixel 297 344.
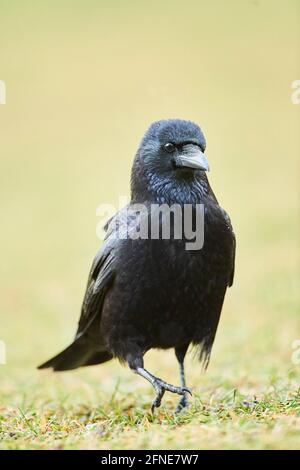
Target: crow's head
pixel 171 153
pixel 173 145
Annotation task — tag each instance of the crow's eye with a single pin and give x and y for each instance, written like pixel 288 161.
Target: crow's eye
pixel 169 147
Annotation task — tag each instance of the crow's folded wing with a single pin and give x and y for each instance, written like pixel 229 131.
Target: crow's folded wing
pixel 101 275
pixel 233 260
pixel 100 280
pixel 229 226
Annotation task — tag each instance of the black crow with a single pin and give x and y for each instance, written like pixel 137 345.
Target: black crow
pixel 147 291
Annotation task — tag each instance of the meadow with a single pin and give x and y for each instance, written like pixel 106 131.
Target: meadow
pixel 84 79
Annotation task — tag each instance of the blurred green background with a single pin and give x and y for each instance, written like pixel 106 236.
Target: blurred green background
pixel 84 80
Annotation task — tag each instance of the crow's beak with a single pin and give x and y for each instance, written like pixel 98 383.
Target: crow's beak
pixel 192 157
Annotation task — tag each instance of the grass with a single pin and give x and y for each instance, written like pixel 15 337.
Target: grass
pixel 234 418
pixel 83 81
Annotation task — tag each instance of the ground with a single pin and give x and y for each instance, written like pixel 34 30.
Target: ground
pixel 83 411
pixel 84 79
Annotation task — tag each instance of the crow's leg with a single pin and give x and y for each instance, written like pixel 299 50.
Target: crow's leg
pixel 180 353
pixel 159 385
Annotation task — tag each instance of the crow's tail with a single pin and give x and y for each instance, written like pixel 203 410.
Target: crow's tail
pixel 76 355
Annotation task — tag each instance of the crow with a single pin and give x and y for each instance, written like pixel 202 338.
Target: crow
pixel 144 291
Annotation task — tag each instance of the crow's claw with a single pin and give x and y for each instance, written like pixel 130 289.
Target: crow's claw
pixel 183 403
pixel 160 391
pixel 161 387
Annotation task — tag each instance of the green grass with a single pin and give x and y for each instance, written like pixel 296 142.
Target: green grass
pixel 84 79
pixel 219 417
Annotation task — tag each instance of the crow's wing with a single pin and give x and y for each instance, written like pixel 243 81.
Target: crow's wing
pixel 229 226
pixel 102 273
pixel 82 351
pixel 233 260
pixel 88 347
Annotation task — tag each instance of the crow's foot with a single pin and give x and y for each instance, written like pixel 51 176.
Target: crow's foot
pixel 161 387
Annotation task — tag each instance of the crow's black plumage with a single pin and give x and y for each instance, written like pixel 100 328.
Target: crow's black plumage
pixel 155 293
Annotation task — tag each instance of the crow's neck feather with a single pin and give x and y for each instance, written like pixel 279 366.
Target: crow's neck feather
pixel 168 189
